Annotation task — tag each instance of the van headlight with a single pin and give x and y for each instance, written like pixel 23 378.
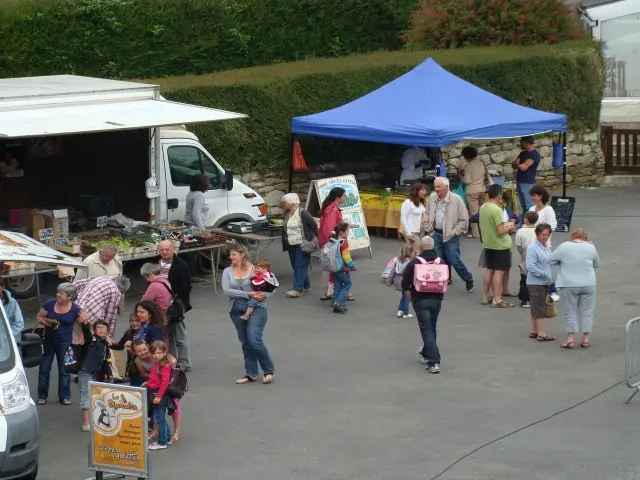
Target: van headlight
pixel 16 392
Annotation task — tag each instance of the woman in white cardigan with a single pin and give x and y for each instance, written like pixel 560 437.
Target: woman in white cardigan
pixel 413 211
pixel 540 198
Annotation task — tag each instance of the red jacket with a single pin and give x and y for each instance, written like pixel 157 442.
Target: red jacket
pixel 329 218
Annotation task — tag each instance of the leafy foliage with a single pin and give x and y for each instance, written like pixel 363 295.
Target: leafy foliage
pixel 156 38
pixel 568 82
pixel 461 23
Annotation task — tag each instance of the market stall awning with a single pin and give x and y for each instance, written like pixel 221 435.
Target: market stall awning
pixel 104 117
pixel 428 107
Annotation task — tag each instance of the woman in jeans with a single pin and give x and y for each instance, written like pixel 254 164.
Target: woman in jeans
pixel 298 226
pixel 539 281
pixel 58 317
pixel 576 280
pixel 236 284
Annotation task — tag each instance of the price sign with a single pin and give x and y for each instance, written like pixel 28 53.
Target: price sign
pixel 45 234
pixel 101 222
pixel 61 241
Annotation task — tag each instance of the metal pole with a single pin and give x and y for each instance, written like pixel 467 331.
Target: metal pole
pixel 292 139
pixel 564 165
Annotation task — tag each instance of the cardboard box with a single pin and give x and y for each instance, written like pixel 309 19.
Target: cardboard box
pixel 35 220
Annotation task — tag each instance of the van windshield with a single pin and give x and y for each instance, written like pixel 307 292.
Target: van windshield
pixel 7 357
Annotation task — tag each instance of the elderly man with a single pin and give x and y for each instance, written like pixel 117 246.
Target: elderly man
pixel 103 263
pixel 176 270
pixel 100 298
pixel 427 307
pixel 448 218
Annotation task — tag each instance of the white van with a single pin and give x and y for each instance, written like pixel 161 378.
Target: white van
pixel 19 424
pixel 89 137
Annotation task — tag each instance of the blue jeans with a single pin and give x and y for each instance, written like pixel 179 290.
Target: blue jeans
pixel 403 306
pixel 300 264
pixel 44 374
pixel 160 416
pixel 525 199
pixel 250 336
pixel 449 252
pixel 341 287
pixel 427 312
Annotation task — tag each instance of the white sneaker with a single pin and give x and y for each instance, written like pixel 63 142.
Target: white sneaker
pixel 408 315
pixel 434 368
pixel 421 358
pixel 555 297
pixel 293 294
pixel 399 314
pixel 157 446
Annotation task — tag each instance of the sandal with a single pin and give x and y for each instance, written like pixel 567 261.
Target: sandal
pixel 533 334
pixel 176 436
pixel 153 436
pixel 268 378
pixel 325 298
pixel 244 380
pixel 568 345
pixel 488 302
pixel 509 294
pixel 546 338
pixel 503 304
pixel 585 344
pixel 66 401
pixel 41 401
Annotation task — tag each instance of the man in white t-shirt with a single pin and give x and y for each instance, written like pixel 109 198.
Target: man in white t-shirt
pixel 524 237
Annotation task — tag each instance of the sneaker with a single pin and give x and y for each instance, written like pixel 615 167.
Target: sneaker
pixel 435 368
pixel 555 297
pixel 469 286
pixel 293 294
pixel 399 314
pixel 525 305
pixel 421 358
pixel 157 446
pixel 340 309
pixel 408 315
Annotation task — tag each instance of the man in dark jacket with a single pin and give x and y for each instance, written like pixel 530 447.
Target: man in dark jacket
pixel 179 275
pixel 427 308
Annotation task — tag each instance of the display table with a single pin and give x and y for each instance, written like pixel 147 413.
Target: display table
pixel 252 239
pixel 382 211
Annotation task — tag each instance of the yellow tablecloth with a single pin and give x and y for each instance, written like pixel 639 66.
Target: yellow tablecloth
pixel 381 212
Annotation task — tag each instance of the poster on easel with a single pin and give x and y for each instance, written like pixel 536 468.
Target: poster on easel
pixel 351 209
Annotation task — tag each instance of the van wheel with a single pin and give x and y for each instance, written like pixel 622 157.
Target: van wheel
pixel 22 287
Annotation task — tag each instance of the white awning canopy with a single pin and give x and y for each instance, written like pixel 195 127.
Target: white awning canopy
pixel 104 117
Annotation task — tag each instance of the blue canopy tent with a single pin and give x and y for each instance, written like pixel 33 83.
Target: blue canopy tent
pixel 430 107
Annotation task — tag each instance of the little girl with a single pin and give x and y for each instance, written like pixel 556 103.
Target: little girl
pixel 342 278
pixel 159 380
pixel 395 278
pixel 144 362
pixel 95 361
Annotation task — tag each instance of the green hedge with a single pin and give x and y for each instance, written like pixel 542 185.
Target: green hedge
pixel 567 82
pixel 156 38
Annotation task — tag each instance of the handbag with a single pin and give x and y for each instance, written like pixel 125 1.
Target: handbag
pixel 488 180
pixel 175 312
pixel 310 246
pixel 73 359
pixel 558 155
pixel 550 309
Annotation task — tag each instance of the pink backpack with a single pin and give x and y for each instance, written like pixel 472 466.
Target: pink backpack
pixel 430 277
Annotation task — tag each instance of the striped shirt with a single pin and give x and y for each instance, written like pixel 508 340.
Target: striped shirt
pixel 100 298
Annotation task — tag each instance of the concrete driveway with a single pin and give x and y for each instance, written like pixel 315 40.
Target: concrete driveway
pixel 350 401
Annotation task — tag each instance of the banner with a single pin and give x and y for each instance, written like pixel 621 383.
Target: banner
pixel 118 418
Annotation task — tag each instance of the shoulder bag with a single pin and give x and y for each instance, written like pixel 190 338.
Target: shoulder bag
pixel 175 312
pixel 308 246
pixel 488 181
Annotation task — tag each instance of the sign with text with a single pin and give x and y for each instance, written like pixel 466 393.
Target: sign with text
pixel 45 234
pixel 101 222
pixel 118 419
pixel 351 209
pixel 563 208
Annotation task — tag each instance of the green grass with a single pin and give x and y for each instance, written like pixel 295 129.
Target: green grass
pixel 466 56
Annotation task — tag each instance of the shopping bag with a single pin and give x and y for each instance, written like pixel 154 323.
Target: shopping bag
pixel 550 307
pixel 461 190
pixel 558 150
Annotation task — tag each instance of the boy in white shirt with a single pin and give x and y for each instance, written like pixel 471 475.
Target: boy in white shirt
pixel 524 237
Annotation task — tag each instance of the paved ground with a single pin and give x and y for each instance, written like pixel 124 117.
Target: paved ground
pixel 351 402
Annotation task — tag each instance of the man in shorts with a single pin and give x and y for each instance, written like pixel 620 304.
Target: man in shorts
pixel 497 247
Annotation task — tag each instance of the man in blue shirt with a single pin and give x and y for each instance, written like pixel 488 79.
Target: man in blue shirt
pixel 526 167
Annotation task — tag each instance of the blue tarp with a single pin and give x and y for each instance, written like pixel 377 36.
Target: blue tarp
pixel 428 107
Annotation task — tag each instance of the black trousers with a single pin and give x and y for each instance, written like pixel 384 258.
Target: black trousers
pixel 523 294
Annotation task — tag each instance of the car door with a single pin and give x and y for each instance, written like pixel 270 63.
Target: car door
pixel 183 162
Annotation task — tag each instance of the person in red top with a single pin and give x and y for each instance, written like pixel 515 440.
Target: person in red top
pixel 330 216
pixel 159 289
pixel 159 380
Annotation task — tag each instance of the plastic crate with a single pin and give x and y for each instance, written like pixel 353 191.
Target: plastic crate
pixel 268 230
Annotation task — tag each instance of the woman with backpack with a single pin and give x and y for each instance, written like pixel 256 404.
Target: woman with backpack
pixel 330 216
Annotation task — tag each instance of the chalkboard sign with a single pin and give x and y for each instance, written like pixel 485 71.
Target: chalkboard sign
pixel 563 206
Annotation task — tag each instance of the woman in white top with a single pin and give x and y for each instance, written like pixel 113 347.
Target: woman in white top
pixel 413 211
pixel 196 209
pixel 540 198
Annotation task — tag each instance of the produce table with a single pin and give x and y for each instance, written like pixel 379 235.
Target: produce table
pixel 382 211
pixel 252 239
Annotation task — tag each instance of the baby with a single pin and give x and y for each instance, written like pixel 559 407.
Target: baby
pixel 263 280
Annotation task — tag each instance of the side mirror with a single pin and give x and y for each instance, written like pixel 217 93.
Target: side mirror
pixel 228 180
pixel 30 346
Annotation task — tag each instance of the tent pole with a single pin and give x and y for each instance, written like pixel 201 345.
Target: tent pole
pixel 292 139
pixel 564 164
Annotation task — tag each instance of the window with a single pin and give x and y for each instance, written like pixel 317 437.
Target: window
pixel 186 161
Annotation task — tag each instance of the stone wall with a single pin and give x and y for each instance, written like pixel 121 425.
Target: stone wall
pixel 585 164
